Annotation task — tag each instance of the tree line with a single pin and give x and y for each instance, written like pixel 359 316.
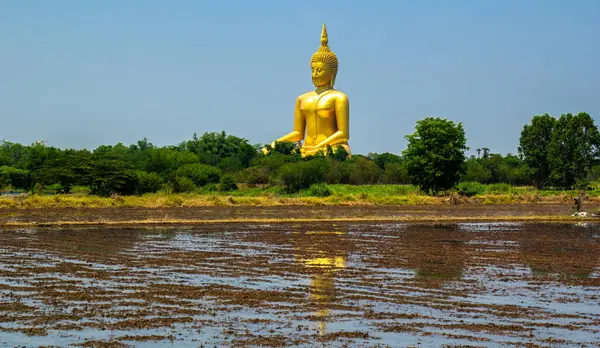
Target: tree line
pixel 553 153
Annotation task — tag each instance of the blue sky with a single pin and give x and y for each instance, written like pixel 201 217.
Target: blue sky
pixel 79 74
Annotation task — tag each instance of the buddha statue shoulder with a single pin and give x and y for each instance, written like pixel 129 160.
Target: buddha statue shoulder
pixel 321 116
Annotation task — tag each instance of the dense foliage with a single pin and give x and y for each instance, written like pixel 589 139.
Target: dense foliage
pixel 558 153
pixel 435 154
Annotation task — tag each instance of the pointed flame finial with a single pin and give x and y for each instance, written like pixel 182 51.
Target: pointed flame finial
pixel 324 38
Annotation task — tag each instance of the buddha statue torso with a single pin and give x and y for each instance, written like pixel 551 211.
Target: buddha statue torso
pixel 321 117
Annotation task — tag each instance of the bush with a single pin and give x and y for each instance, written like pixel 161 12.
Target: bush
pixel 149 182
pixel 182 184
pixel 498 188
pixel 583 184
pixel 319 190
pixel 284 148
pixel 355 171
pixel 57 188
pixel 470 188
pixel 299 176
pixel 364 171
pixel 210 188
pixel 227 183
pixel 200 174
pixel 254 175
pixel 274 161
pixel 37 189
pixel 394 173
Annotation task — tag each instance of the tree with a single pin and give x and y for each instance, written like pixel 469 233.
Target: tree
pixel 17 178
pixel 475 170
pixel 573 150
pixel 435 154
pixel 111 176
pixel 200 174
pixel 533 146
pixel 486 152
pixel 382 159
pixel 69 168
pixel 148 182
pixel 212 148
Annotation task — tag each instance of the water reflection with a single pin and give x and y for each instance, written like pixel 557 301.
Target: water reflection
pixel 442 254
pixel 323 257
pixel 437 253
pixel 569 252
pixel 379 284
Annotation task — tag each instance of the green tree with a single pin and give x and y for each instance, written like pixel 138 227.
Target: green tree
pixel 166 160
pixel 573 150
pixel 17 178
pixel 533 147
pixel 435 154
pixel 476 170
pixel 212 148
pixel 394 173
pixel 148 182
pixel 200 174
pixel 112 176
pixel 512 171
pixel 382 159
pixel 227 183
pixel 69 168
pixel 363 171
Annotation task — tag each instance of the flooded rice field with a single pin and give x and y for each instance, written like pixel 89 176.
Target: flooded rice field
pixel 375 284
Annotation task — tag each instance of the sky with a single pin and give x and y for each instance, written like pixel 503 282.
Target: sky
pixel 80 74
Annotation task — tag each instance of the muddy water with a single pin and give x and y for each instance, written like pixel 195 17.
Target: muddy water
pixel 482 284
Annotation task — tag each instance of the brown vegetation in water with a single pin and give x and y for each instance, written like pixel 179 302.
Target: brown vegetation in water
pixel 276 284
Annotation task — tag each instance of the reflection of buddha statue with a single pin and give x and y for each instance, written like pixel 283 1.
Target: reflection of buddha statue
pixel 323 264
pixel 321 117
pixel 322 293
pixel 322 287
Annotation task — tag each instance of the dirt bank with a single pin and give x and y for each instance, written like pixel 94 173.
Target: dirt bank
pixel 192 215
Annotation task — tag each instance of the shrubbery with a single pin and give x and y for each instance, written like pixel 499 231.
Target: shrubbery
pixel 181 184
pixel 319 190
pixel 253 176
pixel 149 182
pixel 200 174
pixel 469 189
pixel 498 188
pixel 227 183
pixel 434 161
pixel 299 176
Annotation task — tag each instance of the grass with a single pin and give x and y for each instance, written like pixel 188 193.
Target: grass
pixel 273 196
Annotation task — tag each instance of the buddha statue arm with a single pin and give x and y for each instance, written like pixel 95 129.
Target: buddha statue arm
pixel 299 126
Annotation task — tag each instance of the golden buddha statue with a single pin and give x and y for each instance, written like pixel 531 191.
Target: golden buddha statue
pixel 321 117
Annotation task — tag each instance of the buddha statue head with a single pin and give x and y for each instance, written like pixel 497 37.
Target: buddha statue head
pixel 324 63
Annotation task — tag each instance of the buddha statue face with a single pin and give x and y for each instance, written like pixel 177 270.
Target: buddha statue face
pixel 321 74
pixel 324 64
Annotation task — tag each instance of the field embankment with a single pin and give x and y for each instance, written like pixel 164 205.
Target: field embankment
pixel 186 215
